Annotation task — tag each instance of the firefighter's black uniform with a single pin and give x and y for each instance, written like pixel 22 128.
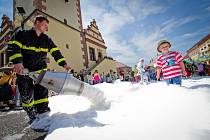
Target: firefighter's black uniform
pixel 31 50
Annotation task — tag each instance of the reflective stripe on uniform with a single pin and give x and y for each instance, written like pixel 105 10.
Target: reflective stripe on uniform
pixel 14 56
pixel 28 105
pixel 35 102
pixel 28 48
pixel 60 60
pixel 41 101
pixel 53 49
pixel 35 49
pixel 16 42
pixel 39 71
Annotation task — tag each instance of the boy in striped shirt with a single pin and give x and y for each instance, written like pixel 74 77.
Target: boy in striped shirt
pixel 170 62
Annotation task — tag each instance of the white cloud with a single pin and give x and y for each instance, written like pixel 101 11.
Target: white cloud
pixel 112 19
pixel 119 14
pixel 190 35
pixel 146 44
pixel 139 7
pixel 174 23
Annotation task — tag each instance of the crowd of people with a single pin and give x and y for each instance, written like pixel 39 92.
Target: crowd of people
pixel 95 78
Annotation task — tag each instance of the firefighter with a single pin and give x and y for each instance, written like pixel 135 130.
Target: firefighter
pixel 28 50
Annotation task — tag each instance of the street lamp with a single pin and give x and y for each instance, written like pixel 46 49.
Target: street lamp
pixel 22 12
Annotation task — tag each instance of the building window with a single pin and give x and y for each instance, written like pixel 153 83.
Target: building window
pixel 100 56
pixel 67 46
pixel 92 54
pixel 65 21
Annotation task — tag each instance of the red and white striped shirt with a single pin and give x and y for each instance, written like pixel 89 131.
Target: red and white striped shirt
pixel 170 64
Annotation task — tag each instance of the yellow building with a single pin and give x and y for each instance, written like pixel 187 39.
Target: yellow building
pixel 82 48
pixel 201 50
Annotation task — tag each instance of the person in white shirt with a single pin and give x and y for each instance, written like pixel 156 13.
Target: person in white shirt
pixel 141 71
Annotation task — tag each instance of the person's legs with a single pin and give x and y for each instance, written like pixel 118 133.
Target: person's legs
pixel 1 99
pixel 142 78
pixel 26 89
pixel 177 80
pixel 41 99
pixel 200 73
pixel 9 96
pixel 169 81
pixel 17 98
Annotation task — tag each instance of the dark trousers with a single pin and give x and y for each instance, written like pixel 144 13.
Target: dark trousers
pixel 34 97
pixel 202 73
pixel 5 92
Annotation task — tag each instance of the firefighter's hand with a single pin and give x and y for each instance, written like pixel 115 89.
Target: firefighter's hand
pixel 19 68
pixel 67 68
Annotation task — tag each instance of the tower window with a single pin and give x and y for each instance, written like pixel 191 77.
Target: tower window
pixel 67 46
pixel 65 21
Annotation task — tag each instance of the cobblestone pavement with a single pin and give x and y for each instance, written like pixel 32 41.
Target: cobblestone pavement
pixel 14 126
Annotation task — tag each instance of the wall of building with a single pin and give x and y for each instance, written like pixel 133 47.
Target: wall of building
pixel 57 8
pixel 67 34
pixel 205 48
pixel 63 35
pixel 26 4
pixel 105 66
pixel 194 54
pixel 94 40
pixel 97 49
pixel 64 10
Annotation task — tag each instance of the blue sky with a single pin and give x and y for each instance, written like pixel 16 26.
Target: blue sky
pixel 6 7
pixel 132 28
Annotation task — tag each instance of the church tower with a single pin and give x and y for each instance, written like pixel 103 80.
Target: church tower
pixel 67 11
